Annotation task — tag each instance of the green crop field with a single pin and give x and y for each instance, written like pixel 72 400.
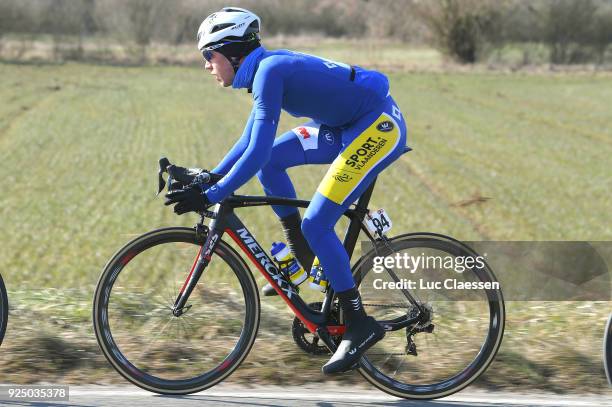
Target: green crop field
pixel 79 148
pixel 496 157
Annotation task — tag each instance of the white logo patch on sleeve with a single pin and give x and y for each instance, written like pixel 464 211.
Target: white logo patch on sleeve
pixel 308 134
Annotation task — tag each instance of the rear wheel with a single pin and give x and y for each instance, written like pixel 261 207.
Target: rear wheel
pixel 460 330
pixel 138 332
pixel 3 309
pixel 607 350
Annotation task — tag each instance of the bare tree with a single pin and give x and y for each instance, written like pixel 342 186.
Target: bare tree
pixel 601 34
pixel 142 16
pixel 566 23
pixel 131 21
pixel 61 21
pixel 462 28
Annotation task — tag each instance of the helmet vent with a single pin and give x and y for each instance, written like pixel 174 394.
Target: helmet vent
pixel 219 27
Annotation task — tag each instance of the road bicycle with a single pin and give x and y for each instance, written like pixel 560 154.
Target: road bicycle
pixel 3 309
pixel 607 350
pixel 177 310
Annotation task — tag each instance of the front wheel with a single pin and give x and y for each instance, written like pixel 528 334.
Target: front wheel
pixel 3 309
pixel 142 338
pixel 458 332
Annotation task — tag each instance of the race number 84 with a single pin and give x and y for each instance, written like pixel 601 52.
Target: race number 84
pixel 378 222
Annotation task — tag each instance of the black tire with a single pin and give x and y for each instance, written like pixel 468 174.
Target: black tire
pixel 482 359
pixel 607 350
pixel 232 267
pixel 3 310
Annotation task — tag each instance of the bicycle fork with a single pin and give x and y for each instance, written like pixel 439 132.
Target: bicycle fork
pixel 197 269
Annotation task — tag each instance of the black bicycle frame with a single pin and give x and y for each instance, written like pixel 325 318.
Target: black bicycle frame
pixel 226 221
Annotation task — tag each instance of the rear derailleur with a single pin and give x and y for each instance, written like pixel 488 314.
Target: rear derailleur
pixel 424 324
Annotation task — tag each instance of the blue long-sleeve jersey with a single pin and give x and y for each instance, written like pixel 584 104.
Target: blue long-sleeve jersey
pixel 303 85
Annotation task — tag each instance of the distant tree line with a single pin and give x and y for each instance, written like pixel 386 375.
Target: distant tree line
pixel 573 31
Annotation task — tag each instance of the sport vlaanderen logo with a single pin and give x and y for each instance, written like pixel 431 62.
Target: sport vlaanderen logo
pixel 366 152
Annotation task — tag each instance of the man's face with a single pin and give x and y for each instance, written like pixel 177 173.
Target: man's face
pixel 221 68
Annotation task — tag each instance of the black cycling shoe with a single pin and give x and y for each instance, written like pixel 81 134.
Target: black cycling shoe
pixel 268 291
pixel 358 338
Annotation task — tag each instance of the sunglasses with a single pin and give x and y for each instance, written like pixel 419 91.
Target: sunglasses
pixel 208 55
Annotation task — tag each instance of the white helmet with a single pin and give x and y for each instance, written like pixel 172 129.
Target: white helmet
pixel 229 22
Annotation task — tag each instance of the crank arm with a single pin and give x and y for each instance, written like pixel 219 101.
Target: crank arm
pixel 323 334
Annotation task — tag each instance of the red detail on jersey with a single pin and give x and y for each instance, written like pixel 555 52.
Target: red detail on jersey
pixel 304 132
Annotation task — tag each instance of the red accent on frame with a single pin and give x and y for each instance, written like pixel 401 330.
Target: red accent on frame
pixel 312 327
pixel 336 329
pixel 192 268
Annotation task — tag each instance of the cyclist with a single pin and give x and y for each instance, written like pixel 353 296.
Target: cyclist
pixel 355 126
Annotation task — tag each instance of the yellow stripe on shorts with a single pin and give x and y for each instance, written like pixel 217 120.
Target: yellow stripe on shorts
pixel 359 158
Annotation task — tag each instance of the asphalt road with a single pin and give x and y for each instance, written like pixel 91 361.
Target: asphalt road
pixel 229 395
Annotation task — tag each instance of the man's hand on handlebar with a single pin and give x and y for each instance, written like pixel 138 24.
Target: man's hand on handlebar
pixel 182 177
pixel 188 199
pixel 186 186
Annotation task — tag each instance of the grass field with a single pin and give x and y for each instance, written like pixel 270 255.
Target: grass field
pixel 496 156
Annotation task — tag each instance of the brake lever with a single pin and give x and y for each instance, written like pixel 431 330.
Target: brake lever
pixel 202 178
pixel 163 165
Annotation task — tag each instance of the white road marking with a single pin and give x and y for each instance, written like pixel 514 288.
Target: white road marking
pixel 360 394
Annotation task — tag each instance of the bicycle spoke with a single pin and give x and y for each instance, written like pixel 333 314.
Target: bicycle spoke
pixel 188 329
pixel 145 330
pixel 460 329
pixel 402 360
pixel 156 337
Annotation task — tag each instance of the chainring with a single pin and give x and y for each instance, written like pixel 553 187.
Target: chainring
pixel 309 342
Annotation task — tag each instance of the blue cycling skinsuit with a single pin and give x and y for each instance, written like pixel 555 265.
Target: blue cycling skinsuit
pixel 355 126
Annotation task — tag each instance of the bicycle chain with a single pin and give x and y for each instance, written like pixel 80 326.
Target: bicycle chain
pixel 389 305
pixel 387 354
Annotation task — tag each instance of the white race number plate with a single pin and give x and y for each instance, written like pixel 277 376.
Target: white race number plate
pixel 378 222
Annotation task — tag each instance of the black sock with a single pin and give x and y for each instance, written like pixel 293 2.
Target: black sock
pixel 292 227
pixel 351 304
